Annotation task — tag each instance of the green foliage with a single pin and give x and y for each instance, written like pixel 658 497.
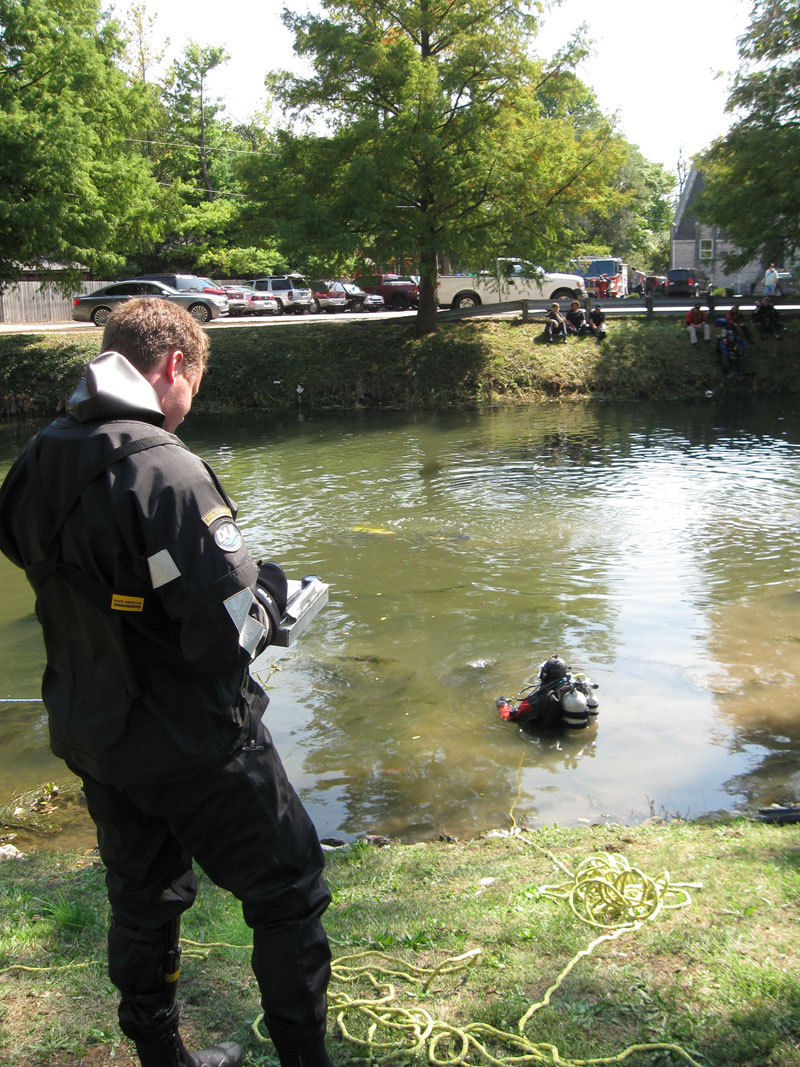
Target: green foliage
pixel 73 189
pixel 634 220
pixel 752 189
pixel 192 132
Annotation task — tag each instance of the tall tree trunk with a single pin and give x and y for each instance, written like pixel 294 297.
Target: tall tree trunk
pixel 428 303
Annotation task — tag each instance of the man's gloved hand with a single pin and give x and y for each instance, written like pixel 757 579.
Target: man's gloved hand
pixel 273 580
pixel 270 592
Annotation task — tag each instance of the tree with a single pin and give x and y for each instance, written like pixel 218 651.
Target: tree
pixel 635 218
pixel 140 53
pixel 194 129
pixel 752 190
pixel 445 136
pixel 73 188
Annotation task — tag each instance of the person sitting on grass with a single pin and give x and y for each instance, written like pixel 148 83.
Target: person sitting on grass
pixel 736 321
pixel 555 325
pixel 767 319
pixel 576 319
pixel 694 320
pixel 732 347
pixel 597 323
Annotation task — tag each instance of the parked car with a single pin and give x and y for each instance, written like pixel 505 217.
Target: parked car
pixel 787 285
pixel 237 299
pixel 656 284
pixel 686 281
pixel 398 293
pixel 327 299
pixel 292 291
pixel 356 298
pixel 242 300
pixel 509 281
pixel 97 306
pixel 261 303
pixel 185 282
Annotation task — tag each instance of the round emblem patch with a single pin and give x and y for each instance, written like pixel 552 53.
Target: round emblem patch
pixel 228 537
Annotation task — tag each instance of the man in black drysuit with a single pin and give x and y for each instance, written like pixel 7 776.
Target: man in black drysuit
pixel 152 609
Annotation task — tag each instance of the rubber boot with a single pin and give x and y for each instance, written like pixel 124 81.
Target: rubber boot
pixel 168 1050
pixel 311 1055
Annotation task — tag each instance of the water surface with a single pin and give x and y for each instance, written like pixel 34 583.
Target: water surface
pixel 654 547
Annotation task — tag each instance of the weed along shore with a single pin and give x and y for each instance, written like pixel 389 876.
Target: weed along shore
pixel 342 365
pixel 474 952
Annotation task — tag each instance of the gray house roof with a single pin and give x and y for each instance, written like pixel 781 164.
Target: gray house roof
pixel 684 220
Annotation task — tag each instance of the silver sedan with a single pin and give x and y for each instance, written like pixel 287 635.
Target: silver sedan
pixel 97 306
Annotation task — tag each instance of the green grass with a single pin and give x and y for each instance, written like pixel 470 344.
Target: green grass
pixel 381 364
pixel 720 978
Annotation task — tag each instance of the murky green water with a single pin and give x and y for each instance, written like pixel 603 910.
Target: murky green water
pixel 655 548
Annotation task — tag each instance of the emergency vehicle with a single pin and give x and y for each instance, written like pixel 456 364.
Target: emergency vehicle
pixel 606 277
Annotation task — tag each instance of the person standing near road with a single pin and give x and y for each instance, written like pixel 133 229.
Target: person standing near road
pixel 152 610
pixel 770 280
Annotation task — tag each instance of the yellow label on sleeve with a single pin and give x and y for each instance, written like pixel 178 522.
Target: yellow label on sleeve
pixel 217 513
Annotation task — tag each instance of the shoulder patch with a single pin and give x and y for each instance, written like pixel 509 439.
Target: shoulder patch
pixel 217 513
pixel 228 537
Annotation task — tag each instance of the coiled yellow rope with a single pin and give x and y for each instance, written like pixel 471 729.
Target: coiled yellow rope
pixel 605 891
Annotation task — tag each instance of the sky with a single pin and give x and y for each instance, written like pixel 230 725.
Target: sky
pixel 663 68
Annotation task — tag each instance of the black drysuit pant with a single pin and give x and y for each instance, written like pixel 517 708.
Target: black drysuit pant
pixel 245 826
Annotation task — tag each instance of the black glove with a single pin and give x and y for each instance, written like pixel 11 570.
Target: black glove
pixel 270 592
pixel 273 581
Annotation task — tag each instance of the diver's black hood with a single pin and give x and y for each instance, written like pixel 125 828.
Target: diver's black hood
pixel 114 389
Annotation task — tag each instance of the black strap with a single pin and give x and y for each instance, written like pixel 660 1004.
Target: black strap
pixel 97 593
pixel 105 461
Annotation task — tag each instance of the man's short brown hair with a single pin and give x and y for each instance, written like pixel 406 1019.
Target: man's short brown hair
pixel 146 330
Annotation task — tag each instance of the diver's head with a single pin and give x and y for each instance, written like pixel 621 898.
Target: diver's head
pixel 552 669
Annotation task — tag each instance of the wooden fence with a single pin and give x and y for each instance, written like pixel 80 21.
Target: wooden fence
pixel 28 302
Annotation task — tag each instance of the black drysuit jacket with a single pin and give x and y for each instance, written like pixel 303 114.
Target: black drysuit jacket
pixel 144 587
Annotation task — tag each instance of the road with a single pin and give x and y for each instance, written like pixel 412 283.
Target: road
pixel 613 309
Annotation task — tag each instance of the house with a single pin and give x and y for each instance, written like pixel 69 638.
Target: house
pixel 696 244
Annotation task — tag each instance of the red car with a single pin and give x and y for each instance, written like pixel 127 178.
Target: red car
pixel 325 298
pixel 398 293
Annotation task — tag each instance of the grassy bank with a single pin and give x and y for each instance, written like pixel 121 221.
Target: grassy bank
pixel 346 365
pixel 715 982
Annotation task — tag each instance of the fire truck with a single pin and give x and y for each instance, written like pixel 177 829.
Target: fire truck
pixel 606 277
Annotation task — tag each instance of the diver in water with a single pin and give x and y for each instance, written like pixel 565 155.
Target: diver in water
pixel 558 699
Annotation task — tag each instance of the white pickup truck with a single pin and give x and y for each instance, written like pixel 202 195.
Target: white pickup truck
pixel 514 279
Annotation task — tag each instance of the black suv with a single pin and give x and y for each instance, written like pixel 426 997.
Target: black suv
pixel 686 281
pixel 186 283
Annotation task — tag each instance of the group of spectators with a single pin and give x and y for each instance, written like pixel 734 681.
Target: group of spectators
pixel 765 316
pixel 575 321
pixel 734 338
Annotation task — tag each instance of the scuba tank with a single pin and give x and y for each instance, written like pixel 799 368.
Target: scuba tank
pixel 559 698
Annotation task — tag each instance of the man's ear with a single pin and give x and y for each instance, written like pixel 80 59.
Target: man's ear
pixel 173 365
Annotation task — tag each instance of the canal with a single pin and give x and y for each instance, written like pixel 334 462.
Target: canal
pixel 655 547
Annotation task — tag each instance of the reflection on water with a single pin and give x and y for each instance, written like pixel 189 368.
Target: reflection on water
pixel 654 547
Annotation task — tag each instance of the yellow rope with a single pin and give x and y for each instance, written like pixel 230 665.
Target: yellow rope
pixel 605 891
pixel 52 967
pixel 389 1031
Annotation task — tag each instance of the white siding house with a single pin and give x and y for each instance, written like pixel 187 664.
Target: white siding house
pixel 696 244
